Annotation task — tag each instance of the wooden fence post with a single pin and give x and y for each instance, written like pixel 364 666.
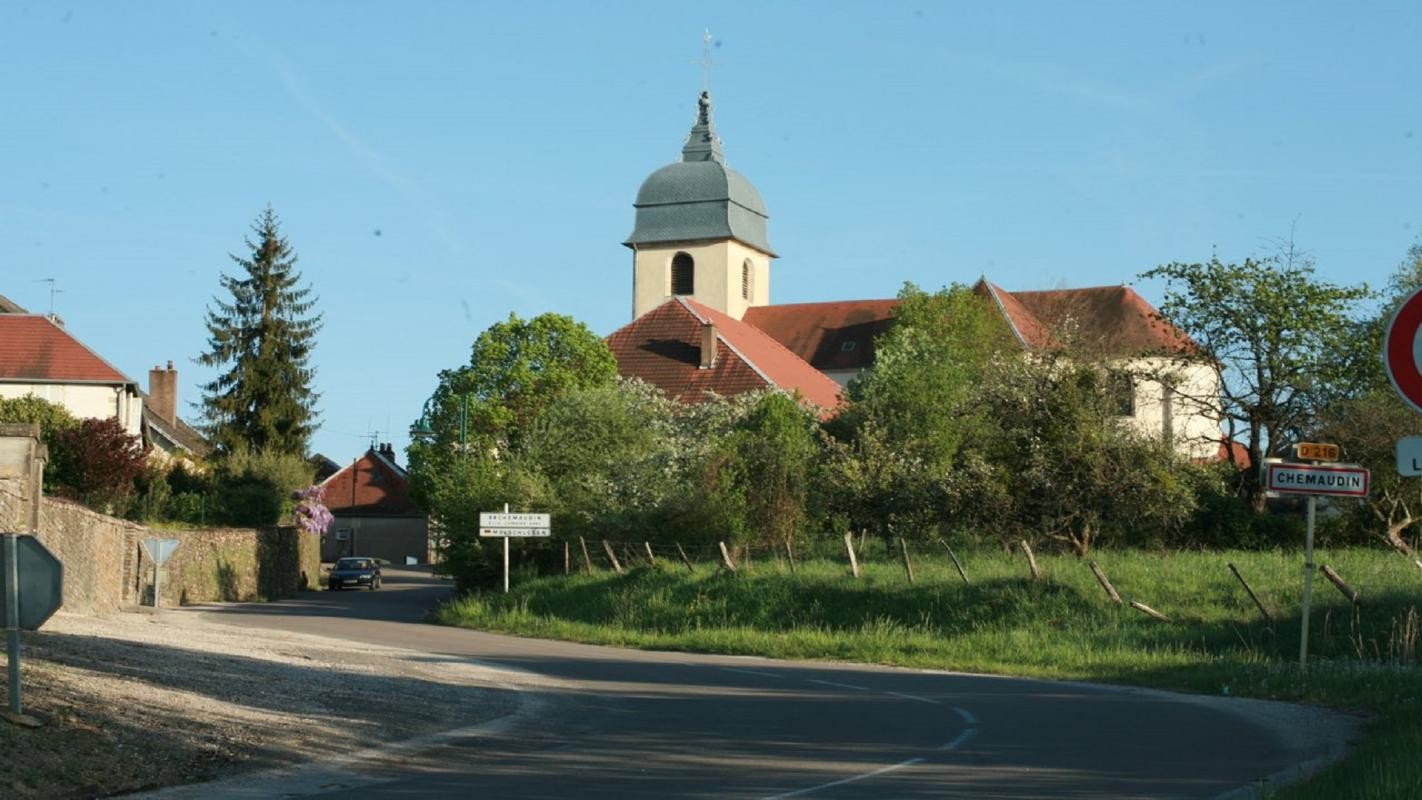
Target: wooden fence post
pixel 587 560
pixel 1252 596
pixel 1105 583
pixel 684 559
pixel 908 565
pixel 957 563
pixel 853 560
pixel 651 559
pixel 790 554
pixel 611 556
pixel 1149 612
pixel 567 558
pixel 1354 596
pixel 726 557
pixel 1031 561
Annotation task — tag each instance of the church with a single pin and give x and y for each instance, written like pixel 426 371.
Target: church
pixel 703 324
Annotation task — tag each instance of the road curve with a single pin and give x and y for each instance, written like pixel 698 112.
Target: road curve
pixel 638 724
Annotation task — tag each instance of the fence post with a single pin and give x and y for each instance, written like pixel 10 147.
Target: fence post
pixel 651 559
pixel 1353 595
pixel 726 557
pixel 1252 596
pixel 956 563
pixel 790 554
pixel 1149 612
pixel 1105 583
pixel 684 559
pixel 567 559
pixel 611 556
pixel 587 560
pixel 1031 561
pixel 908 565
pixel 853 560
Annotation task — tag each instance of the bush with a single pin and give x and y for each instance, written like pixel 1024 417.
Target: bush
pixel 97 463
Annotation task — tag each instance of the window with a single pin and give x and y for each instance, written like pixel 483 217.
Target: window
pixel 746 280
pixel 1121 391
pixel 683 274
pixel 847 347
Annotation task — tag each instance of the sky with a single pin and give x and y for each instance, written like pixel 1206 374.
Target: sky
pixel 440 165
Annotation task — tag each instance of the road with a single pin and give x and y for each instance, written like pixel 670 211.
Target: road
pixel 604 722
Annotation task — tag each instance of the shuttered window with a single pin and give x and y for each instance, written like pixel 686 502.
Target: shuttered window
pixel 683 274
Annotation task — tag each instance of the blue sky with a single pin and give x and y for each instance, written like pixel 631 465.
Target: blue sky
pixel 439 165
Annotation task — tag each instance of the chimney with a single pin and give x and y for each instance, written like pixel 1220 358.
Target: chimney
pixel 163 393
pixel 708 345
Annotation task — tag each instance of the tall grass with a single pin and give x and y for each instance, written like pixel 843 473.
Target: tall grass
pixel 1063 626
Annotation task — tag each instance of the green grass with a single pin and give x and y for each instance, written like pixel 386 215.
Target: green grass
pixel 1061 627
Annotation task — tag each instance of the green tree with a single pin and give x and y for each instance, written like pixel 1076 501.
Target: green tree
pixel 261 340
pixel 1277 338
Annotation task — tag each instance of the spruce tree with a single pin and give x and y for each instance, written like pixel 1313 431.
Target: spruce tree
pixel 261 340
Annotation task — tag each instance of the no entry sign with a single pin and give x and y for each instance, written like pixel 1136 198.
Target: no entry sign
pixel 1402 350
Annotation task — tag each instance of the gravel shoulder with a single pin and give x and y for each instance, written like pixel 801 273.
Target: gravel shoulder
pixel 140 700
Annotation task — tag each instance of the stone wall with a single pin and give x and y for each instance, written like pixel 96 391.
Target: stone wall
pixel 105 567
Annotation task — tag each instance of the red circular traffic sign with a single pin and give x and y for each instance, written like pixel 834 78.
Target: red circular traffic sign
pixel 1401 350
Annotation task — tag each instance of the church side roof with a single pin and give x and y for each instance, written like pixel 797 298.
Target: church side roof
pixel 830 336
pixel 34 348
pixel 1111 320
pixel 663 348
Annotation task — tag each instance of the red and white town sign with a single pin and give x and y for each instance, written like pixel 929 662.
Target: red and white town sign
pixel 1402 350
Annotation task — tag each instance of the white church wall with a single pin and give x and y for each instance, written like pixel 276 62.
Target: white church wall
pixel 1186 419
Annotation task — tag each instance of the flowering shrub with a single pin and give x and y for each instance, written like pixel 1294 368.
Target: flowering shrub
pixel 311 513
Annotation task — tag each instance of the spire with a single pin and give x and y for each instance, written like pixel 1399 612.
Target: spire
pixel 702 144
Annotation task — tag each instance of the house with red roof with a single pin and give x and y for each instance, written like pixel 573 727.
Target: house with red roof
pixel 373 513
pixel 703 324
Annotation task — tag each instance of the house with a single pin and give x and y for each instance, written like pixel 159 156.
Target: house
pixel 374 516
pixel 703 323
pixel 168 435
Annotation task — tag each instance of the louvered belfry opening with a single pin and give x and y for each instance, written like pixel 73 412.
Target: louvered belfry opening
pixel 746 280
pixel 683 274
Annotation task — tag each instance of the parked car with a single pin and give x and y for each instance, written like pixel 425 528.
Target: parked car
pixel 354 572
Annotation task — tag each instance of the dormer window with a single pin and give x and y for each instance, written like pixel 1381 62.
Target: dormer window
pixel 683 274
pixel 847 347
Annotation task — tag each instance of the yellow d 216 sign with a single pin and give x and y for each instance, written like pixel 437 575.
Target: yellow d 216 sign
pixel 1314 451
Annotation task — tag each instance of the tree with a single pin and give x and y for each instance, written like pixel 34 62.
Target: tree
pixel 97 461
pixel 1277 338
pixel 262 340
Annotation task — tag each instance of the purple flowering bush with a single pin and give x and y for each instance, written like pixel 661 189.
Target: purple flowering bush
pixel 311 513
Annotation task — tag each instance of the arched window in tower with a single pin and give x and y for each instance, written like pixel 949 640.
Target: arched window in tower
pixel 683 277
pixel 746 280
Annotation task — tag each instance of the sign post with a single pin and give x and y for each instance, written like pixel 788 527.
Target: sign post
pixel 160 550
pixel 506 525
pixel 33 591
pixel 1337 480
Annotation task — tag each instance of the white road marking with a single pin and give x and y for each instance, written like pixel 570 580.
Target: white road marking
pixel 754 672
pixel 839 685
pixel 914 697
pixel 967 716
pixel 843 781
pixel 961 739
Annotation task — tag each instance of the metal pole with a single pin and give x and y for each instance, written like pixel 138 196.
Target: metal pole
pixel 157 583
pixel 12 618
pixel 506 556
pixel 1308 582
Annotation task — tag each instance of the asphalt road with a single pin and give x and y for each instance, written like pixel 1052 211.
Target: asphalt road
pixel 603 722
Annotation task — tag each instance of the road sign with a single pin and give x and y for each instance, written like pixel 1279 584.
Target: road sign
pixel 1402 350
pixel 1341 480
pixel 160 550
pixel 40 585
pixel 1409 456
pixel 1315 451
pixel 516 533
pixel 503 524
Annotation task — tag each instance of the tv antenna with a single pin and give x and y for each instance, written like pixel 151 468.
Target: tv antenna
pixel 52 292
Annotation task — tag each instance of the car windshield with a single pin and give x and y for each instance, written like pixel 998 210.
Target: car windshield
pixel 353 563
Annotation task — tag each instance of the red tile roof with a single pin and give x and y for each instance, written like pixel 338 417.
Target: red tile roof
pixel 1025 326
pixel 1112 320
pixel 830 336
pixel 663 348
pixel 34 348
pixel 372 486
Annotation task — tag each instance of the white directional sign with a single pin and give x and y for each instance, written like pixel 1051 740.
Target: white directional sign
pixel 516 525
pixel 1409 456
pixel 1342 480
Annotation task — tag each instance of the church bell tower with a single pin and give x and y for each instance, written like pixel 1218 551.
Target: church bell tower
pixel 700 230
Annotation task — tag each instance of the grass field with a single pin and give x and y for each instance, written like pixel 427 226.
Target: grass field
pixel 1063 626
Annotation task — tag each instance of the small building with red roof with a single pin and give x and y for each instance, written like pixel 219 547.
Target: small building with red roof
pixel 703 324
pixel 369 500
pixel 39 357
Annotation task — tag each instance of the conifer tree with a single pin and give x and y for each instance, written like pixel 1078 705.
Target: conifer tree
pixel 261 340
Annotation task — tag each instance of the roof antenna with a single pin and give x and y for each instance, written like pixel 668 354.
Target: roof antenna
pixel 52 292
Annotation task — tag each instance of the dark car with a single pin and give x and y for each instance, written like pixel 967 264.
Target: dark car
pixel 354 572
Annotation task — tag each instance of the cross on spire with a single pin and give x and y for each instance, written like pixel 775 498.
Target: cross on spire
pixel 705 61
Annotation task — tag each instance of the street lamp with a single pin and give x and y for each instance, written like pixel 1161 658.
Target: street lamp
pixel 423 429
